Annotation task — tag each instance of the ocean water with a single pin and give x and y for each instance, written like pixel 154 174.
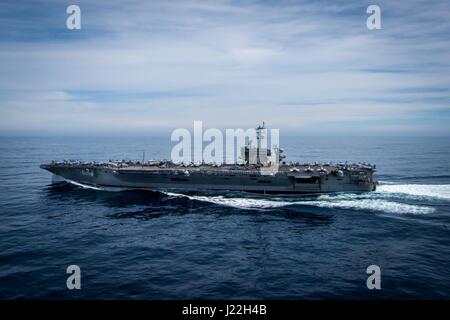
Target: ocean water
pixel 151 245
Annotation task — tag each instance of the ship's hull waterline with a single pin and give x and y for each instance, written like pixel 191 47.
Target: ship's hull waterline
pixel 195 179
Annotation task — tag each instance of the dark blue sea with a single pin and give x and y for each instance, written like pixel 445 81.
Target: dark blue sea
pixel 151 245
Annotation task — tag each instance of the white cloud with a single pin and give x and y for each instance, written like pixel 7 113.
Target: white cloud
pixel 294 65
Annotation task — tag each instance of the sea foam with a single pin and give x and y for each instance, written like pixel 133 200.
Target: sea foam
pixel 441 191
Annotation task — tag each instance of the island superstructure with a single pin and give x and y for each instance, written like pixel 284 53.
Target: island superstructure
pixel 259 170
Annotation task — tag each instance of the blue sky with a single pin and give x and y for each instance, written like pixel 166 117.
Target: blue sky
pixel 151 66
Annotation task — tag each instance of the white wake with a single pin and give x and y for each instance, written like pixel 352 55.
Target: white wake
pixel 388 198
pixel 84 186
pixel 385 199
pixel 441 191
pixel 373 205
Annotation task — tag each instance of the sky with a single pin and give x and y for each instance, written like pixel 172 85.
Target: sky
pixel 304 67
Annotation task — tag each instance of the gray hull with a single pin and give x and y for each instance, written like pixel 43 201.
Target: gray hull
pixel 283 182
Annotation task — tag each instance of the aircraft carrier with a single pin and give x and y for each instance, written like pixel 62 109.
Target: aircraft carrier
pixel 251 174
